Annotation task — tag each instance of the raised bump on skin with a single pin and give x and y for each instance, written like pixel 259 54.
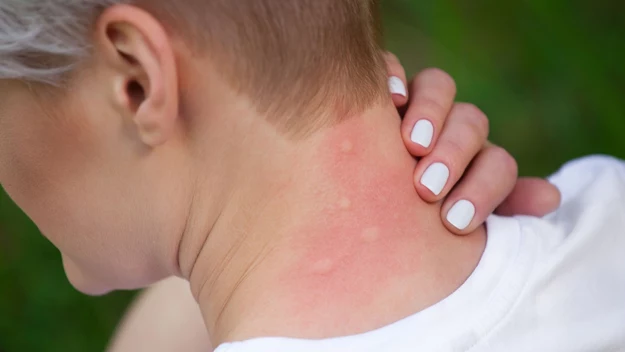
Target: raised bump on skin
pixel 347 146
pixel 345 203
pixel 370 234
pixel 323 266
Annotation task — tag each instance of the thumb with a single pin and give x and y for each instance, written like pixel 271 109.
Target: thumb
pixel 531 196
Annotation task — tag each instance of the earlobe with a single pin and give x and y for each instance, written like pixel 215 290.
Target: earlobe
pixel 143 73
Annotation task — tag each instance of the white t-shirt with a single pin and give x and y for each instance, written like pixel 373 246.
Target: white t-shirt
pixel 551 284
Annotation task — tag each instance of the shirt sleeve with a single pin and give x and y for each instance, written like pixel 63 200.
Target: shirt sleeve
pixel 605 175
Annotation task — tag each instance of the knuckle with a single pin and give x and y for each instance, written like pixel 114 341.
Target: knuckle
pixel 444 79
pixel 504 159
pixel 475 117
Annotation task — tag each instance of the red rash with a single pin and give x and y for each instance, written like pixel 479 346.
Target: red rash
pixel 361 240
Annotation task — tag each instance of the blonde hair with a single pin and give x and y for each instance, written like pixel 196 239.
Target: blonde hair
pixel 291 58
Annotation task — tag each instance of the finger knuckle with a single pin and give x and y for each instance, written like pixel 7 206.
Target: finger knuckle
pixel 475 118
pixel 505 160
pixel 444 79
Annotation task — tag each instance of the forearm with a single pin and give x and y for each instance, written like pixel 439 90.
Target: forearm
pixel 164 318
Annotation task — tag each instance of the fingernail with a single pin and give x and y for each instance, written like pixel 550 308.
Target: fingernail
pixel 461 214
pixel 396 86
pixel 435 177
pixel 422 133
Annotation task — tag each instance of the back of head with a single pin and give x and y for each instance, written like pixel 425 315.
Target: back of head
pixel 120 147
pixel 292 59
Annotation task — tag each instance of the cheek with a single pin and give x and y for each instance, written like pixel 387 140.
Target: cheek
pixel 76 204
pixel 23 165
pixel 33 164
pixel 79 190
pixel 44 165
pixel 43 152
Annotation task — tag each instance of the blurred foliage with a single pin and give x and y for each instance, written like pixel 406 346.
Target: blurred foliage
pixel 549 73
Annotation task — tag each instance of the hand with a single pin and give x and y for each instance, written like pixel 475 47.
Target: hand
pixel 457 164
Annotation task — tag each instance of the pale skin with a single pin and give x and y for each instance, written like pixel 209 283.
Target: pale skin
pixel 166 317
pixel 239 218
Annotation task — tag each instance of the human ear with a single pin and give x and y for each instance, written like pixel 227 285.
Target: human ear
pixel 143 83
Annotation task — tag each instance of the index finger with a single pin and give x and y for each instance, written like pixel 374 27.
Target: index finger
pixel 432 97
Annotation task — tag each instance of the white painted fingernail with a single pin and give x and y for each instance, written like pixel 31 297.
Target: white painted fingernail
pixel 435 177
pixel 461 214
pixel 396 86
pixel 422 133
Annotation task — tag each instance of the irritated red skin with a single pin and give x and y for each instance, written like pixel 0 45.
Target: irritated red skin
pixel 363 239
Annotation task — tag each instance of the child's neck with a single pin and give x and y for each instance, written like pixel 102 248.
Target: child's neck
pixel 337 243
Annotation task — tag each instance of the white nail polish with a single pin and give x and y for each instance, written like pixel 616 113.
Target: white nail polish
pixel 435 177
pixel 422 133
pixel 461 214
pixel 396 86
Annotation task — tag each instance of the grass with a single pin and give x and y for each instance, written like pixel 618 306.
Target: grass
pixel 549 73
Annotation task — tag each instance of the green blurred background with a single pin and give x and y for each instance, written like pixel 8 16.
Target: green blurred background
pixel 549 73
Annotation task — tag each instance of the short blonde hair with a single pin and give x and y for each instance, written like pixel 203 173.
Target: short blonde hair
pixel 292 58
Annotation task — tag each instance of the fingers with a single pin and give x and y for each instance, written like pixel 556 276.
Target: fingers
pixel 397 80
pixel 432 98
pixel 461 140
pixel 488 181
pixel 531 196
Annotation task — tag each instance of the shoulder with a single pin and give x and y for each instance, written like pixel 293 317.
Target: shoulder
pixel 592 208
pixel 577 275
pixel 592 178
